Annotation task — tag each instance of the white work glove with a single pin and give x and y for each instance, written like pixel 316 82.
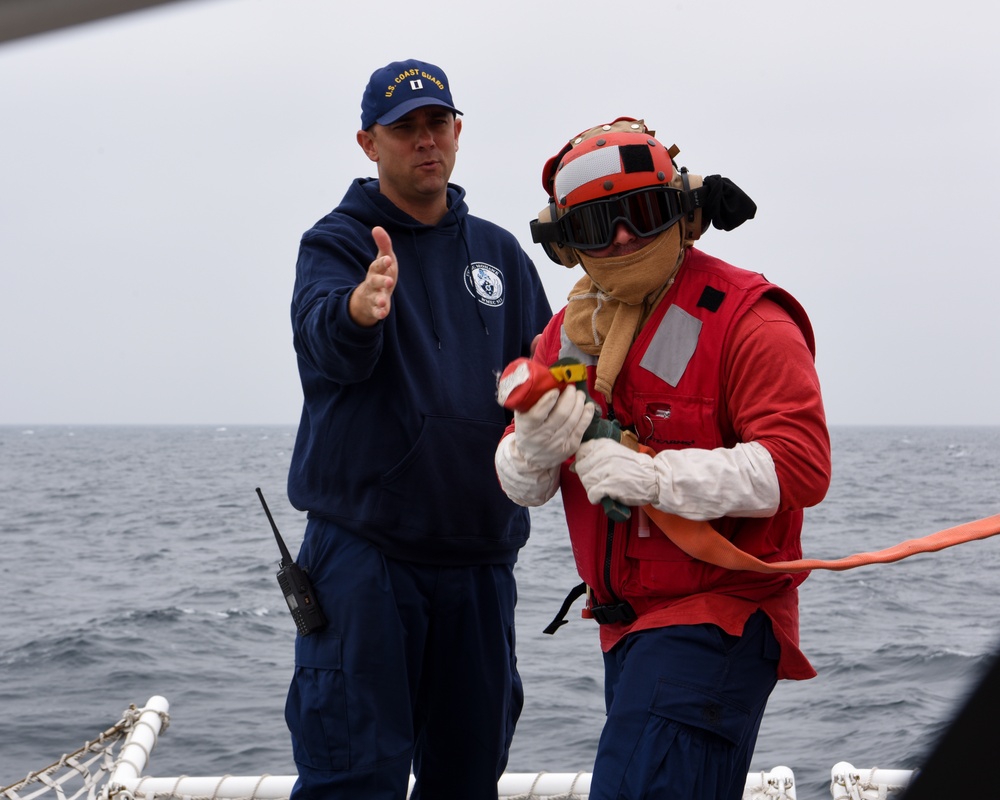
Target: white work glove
pixel 609 469
pixel 526 485
pixel 740 481
pixel 552 429
pixel 528 461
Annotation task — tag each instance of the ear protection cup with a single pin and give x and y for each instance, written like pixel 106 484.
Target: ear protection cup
pixel 692 223
pixel 545 232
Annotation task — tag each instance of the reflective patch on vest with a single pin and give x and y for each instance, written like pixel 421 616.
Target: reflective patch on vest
pixel 673 345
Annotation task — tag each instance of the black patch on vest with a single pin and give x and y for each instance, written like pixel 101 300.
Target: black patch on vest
pixel 636 158
pixel 711 299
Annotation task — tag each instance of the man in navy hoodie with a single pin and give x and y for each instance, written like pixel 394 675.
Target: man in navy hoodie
pixel 405 309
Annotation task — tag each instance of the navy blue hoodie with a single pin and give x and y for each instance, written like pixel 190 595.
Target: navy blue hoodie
pixel 400 420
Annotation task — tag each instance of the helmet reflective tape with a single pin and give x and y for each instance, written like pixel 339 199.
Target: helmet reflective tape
pixel 609 164
pixel 622 124
pixel 588 167
pixel 606 162
pixel 591 226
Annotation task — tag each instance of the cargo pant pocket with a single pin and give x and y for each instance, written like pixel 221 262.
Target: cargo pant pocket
pixel 697 708
pixel 316 712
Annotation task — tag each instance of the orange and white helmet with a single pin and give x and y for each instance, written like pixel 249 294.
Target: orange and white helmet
pixel 615 173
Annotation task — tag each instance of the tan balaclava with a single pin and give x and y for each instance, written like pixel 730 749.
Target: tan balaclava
pixel 609 305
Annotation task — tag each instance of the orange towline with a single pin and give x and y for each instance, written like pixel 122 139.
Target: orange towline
pixel 700 540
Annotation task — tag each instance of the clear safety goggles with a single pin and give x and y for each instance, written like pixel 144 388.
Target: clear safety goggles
pixel 646 212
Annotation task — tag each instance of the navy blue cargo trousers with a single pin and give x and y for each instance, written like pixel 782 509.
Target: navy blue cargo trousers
pixel 684 708
pixel 416 668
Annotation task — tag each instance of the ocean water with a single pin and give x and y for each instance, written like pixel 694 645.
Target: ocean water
pixel 136 561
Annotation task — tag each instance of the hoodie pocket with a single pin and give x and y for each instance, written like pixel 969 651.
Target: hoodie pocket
pixel 447 485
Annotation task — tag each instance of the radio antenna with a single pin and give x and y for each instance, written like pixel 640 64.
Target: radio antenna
pixel 286 557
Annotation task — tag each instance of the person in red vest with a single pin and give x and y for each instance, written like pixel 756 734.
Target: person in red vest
pixel 709 370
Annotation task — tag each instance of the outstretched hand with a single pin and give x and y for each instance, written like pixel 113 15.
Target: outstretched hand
pixel 371 299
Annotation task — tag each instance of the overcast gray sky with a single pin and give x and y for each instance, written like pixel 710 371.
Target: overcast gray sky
pixel 158 169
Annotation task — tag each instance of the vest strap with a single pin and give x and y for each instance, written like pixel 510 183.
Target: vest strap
pixel 560 618
pixel 613 612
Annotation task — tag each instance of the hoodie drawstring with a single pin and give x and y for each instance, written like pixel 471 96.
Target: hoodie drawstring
pixel 427 294
pixel 468 255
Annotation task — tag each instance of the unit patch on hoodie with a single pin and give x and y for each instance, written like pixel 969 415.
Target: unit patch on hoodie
pixel 485 283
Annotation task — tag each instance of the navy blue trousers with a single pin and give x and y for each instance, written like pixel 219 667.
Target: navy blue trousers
pixel 416 669
pixel 684 708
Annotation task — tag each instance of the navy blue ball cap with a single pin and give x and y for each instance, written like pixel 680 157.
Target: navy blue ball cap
pixel 397 88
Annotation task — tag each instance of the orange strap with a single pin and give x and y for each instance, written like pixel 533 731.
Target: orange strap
pixel 700 540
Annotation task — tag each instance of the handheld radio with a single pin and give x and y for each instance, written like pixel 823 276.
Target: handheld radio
pixel 295 585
